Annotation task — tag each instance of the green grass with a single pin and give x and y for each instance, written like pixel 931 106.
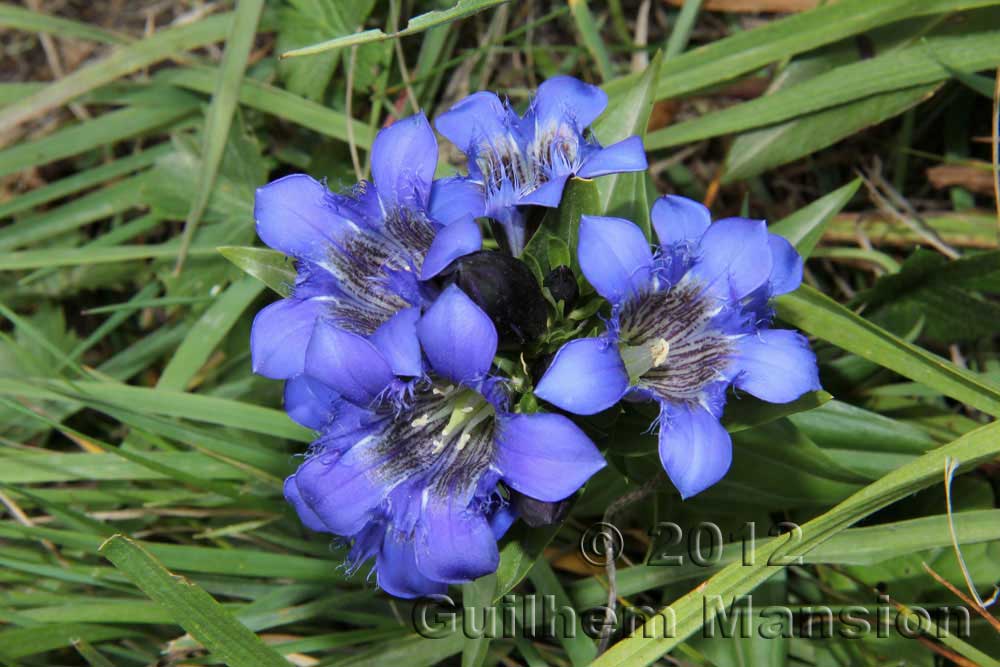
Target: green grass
pixel 141 461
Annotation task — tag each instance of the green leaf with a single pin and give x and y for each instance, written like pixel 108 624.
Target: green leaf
pixel 804 228
pixel 191 607
pixel 523 546
pixel 476 598
pixel 277 102
pixel 821 316
pixel 578 646
pixel 271 267
pixel 759 150
pixel 623 195
pixel 122 61
pixel 104 130
pixel 897 70
pixel 207 332
pixel 748 412
pixel 416 24
pixel 562 225
pixel 18 18
pixel 219 116
pixel 694 609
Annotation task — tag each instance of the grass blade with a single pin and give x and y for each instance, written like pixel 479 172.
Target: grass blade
pixel 220 112
pixel 191 607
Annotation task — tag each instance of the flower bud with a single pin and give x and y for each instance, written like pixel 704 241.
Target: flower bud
pixel 562 285
pixel 537 513
pixel 504 287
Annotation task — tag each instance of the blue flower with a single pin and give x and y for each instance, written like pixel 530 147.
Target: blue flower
pixel 409 468
pixel 526 161
pixel 687 321
pixel 360 257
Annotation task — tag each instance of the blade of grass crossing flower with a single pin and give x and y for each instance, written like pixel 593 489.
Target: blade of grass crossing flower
pixel 208 332
pixel 805 227
pixel 192 608
pixel 819 315
pixel 124 60
pixel 220 112
pixel 268 266
pixel 701 605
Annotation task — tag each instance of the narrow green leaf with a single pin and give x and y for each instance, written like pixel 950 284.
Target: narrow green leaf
pixel 123 60
pixel 696 608
pixel 623 195
pixel 219 117
pixel 18 18
pixel 208 332
pixel 416 24
pixel 271 267
pixel 900 69
pixel 578 646
pixel 476 598
pixel 590 35
pixel 804 228
pixel 821 316
pixel 277 102
pixel 561 226
pixel 192 608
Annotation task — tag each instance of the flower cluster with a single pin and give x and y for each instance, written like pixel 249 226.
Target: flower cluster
pixel 393 338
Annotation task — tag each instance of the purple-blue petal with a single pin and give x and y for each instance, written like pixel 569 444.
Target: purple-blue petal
pixel 734 258
pixel 626 155
pixel 342 491
pixel 454 544
pixel 695 449
pixel 280 334
pixel 306 515
pixel 545 456
pixel 679 220
pixel 404 157
pixel 502 519
pixel 776 365
pixel 474 119
pixel 614 256
pixel 308 401
pixel 549 194
pixel 456 240
pixel 397 573
pixel 458 338
pixel 347 363
pixel 294 216
pixel 563 99
pixel 456 199
pixel 586 376
pixel 786 268
pixel 397 340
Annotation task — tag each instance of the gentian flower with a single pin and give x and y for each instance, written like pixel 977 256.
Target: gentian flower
pixel 409 468
pixel 687 321
pixel 525 161
pixel 360 257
